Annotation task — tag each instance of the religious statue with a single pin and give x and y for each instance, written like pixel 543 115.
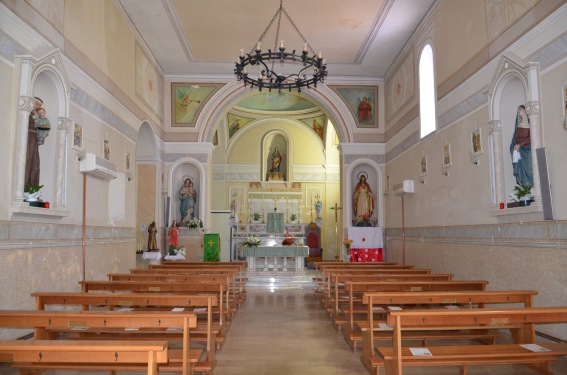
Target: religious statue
pixel 364 111
pixel 363 200
pixel 276 160
pixel 38 128
pixel 188 197
pixel 152 237
pixel 521 149
pixel 173 237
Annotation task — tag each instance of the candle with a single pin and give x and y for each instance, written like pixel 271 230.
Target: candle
pixel 282 44
pixel 242 52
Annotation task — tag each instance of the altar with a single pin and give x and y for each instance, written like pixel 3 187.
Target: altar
pixel 367 244
pixel 276 256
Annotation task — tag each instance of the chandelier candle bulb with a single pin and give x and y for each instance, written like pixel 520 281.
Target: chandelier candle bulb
pixel 242 52
pixel 305 47
pixel 320 55
pixel 258 46
pixel 282 45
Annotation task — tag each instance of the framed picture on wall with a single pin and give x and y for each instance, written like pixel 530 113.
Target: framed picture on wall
pixel 476 142
pixel 423 166
pixel 127 160
pixel 447 155
pixel 362 101
pixel 187 100
pixel 106 149
pixel 78 137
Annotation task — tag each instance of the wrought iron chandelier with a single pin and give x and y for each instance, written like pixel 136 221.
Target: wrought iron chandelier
pixel 313 69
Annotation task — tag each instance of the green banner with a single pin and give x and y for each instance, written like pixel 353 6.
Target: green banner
pixel 211 247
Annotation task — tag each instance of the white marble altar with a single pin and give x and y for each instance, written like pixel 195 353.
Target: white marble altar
pixel 275 256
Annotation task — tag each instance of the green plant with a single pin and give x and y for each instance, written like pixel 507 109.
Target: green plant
pixel 522 192
pixel 292 217
pixel 30 188
pixel 256 216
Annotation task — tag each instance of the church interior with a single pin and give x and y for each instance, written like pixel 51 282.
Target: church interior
pixel 429 133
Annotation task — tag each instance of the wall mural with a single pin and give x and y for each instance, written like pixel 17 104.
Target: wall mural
pixel 317 124
pixel 187 100
pixel 362 102
pixel 235 123
pixel 400 88
pixel 149 84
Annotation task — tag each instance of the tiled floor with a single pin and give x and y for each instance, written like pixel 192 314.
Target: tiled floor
pixel 282 330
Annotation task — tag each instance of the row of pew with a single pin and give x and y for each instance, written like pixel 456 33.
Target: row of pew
pixel 402 316
pixel 170 317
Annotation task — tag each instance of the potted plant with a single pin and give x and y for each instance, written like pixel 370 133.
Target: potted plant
pixel 293 218
pixel 32 192
pixel 195 224
pixel 256 216
pixel 523 194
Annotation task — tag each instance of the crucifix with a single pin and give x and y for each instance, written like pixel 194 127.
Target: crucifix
pixel 336 208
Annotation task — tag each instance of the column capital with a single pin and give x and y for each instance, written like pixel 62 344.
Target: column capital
pixel 25 103
pixel 495 126
pixel 64 123
pixel 533 108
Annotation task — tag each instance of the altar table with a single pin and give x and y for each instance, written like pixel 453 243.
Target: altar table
pixel 367 245
pixel 276 252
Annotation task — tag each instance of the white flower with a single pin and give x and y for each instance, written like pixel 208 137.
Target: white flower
pixel 195 223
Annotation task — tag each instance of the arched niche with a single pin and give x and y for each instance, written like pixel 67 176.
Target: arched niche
pixel 374 179
pixel 515 83
pixel 41 74
pixel 276 144
pixel 180 172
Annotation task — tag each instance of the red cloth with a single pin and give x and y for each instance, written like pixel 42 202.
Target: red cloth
pixel 367 255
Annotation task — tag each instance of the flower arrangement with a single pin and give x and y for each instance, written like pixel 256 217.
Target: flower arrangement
pixel 292 217
pixel 256 216
pixel 195 223
pixel 347 242
pixel 521 193
pixel 251 241
pixel 365 218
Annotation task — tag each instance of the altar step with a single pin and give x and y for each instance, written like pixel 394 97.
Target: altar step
pixel 277 280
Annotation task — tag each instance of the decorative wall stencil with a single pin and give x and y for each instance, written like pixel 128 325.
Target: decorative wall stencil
pixel 187 100
pixel 149 85
pixel 422 168
pixel 400 88
pixel 476 145
pixel 106 149
pixel 362 102
pixel 446 159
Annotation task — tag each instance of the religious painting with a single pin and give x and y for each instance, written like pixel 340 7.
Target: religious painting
pixel 149 85
pixel 127 160
pixel 235 123
pixel 255 185
pixel 362 101
pixel 317 124
pixel 78 137
pixel 446 155
pixel 476 142
pixel 187 100
pixel 106 149
pixel 423 166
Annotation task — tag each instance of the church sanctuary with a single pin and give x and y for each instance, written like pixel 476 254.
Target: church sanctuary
pixel 283 187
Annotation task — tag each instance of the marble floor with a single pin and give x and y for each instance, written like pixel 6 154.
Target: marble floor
pixel 282 330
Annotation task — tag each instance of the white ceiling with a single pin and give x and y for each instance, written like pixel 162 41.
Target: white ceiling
pixel 359 38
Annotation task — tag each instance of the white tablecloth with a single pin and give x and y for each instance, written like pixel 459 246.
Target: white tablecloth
pixel 366 237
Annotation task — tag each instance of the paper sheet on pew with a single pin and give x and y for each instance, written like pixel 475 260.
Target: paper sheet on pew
pixel 174 329
pixel 385 326
pixel 125 309
pixel 535 348
pixel 79 328
pixel 200 310
pixel 377 308
pixel 394 308
pixel 132 329
pixel 421 352
pixel 452 307
pixel 178 309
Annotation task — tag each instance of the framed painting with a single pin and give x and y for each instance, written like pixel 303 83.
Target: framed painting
pixel 362 101
pixel 187 100
pixel 476 142
pixel 127 160
pixel 447 155
pixel 106 149
pixel 235 123
pixel 317 124
pixel 78 137
pixel 423 166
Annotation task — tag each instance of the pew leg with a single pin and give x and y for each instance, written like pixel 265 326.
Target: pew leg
pixel 463 370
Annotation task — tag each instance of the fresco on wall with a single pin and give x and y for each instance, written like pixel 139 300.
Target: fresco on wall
pixel 235 123
pixel 362 102
pixel 188 99
pixel 274 101
pixel 317 124
pixel 502 14
pixel 149 84
pixel 400 88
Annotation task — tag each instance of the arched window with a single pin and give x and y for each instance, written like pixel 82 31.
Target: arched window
pixel 427 92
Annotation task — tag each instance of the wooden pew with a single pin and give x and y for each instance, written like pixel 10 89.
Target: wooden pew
pixel 378 303
pixel 144 302
pixel 237 287
pixel 397 357
pixel 328 274
pixel 217 288
pixel 51 324
pixel 341 314
pixel 63 354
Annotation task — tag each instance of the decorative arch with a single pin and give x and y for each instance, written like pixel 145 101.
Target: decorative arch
pixel 192 168
pixel 515 82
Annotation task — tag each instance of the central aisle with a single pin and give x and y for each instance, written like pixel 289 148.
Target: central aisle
pixel 285 331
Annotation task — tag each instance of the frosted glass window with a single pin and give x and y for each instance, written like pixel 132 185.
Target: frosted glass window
pixel 428 120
